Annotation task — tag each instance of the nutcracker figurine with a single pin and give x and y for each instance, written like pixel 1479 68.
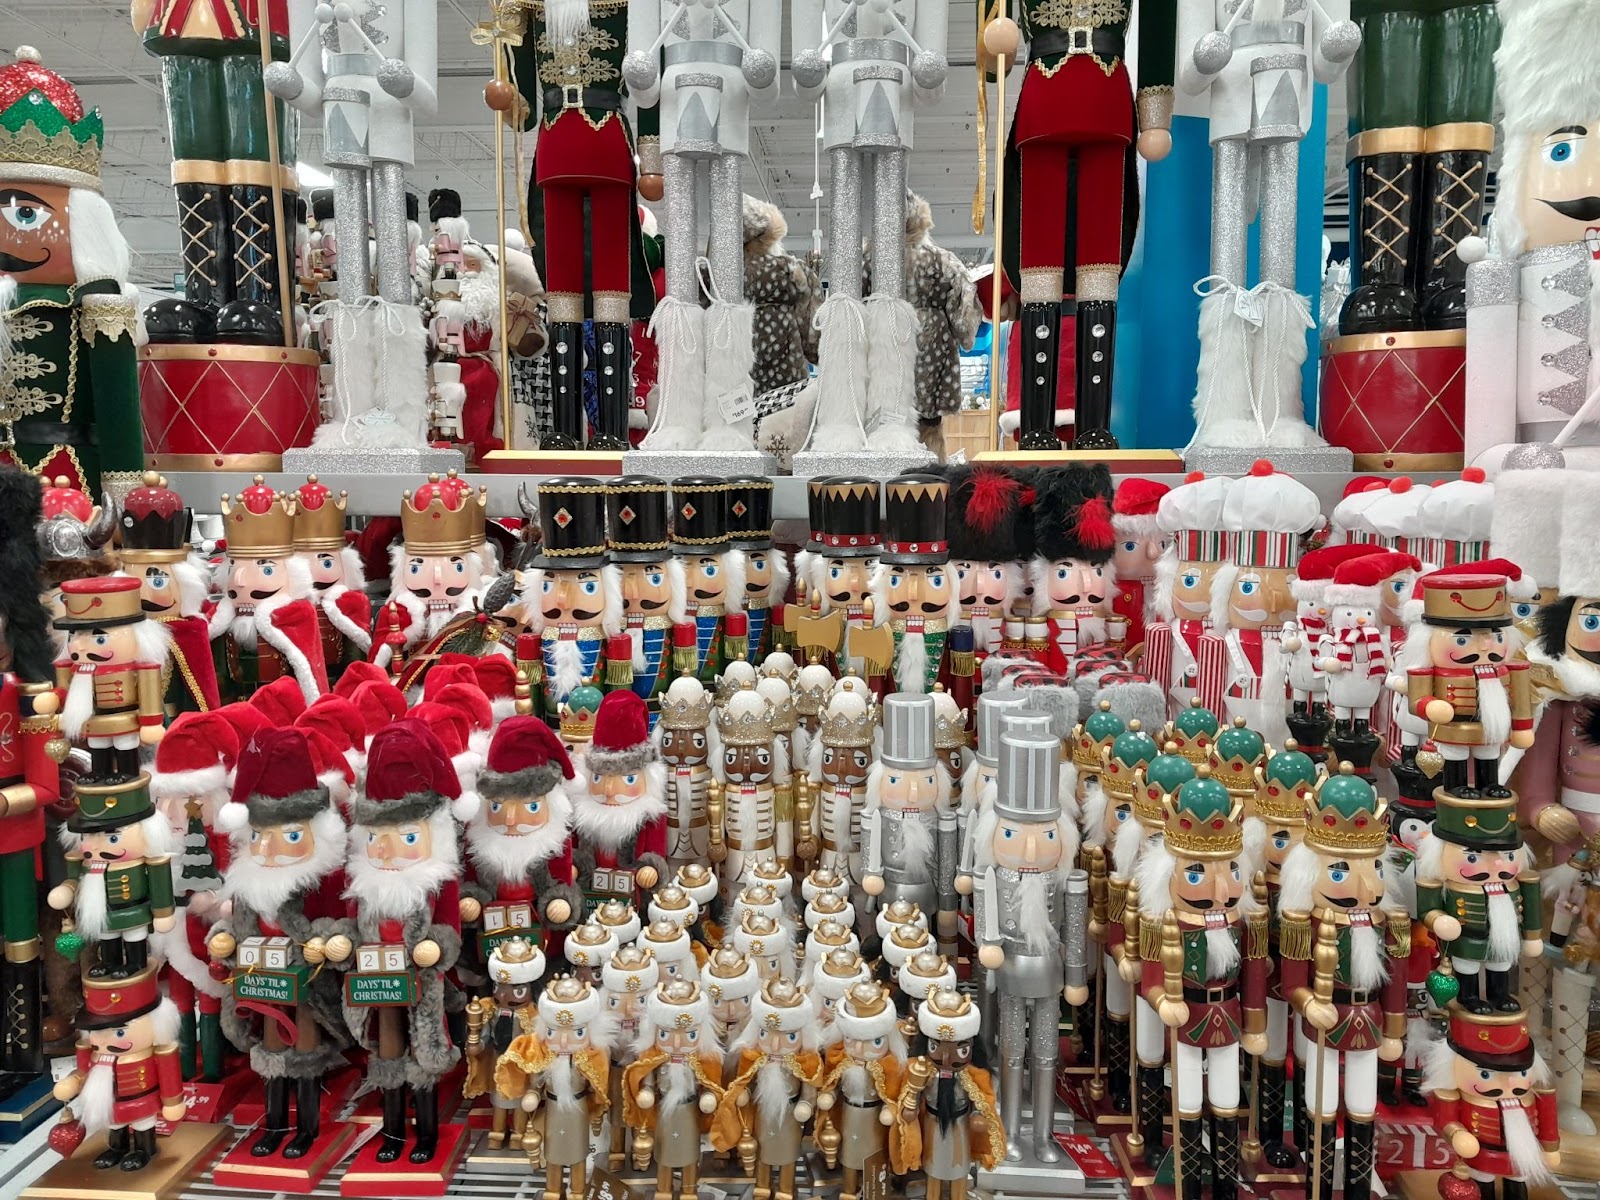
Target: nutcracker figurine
pixel 562 1064
pixel 285 881
pixel 670 1091
pixel 1342 971
pixel 1075 116
pixel 740 801
pixel 369 69
pixel 649 578
pixel 110 674
pixel 1493 1104
pixel 1308 718
pixel 344 613
pixel 703 65
pixel 978 781
pixel 515 966
pixel 714 572
pixel 1353 653
pixel 839 762
pixel 1139 546
pixel 1192 515
pixel 404 935
pixel 685 737
pixel 265 623
pixel 1030 916
pixel 872 66
pixel 849 542
pixel 1260 73
pixel 791 802
pixel 571 609
pixel 864 1072
pixel 980 514
pixel 948 1116
pixel 912 589
pixel 69 399
pixel 730 979
pixel 1072 585
pixel 767 942
pixel 1206 974
pixel 766 567
pixel 1475 695
pixel 620 816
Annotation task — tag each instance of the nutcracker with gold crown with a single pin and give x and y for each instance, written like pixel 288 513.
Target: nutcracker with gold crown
pixel 344 612
pixel 1205 973
pixel 740 806
pixel 172 590
pixel 670 1091
pixel 627 980
pixel 562 1065
pixel 69 393
pixel 265 623
pixel 1190 514
pixel 912 588
pixel 493 1022
pixel 839 761
pixel 1343 972
pixel 948 1121
pixel 864 1072
pixel 649 578
pixel 766 566
pixel 571 607
pixel 686 740
pixel 620 814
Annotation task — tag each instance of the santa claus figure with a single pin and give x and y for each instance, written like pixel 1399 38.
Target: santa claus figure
pixel 620 809
pixel 344 613
pixel 264 626
pixel 1139 546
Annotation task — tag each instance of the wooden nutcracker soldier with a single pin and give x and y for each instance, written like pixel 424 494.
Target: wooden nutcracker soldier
pixel 1343 971
pixel 978 781
pixel 265 623
pixel 285 882
pixel 948 1120
pixel 848 545
pixel 1353 652
pixel 1139 546
pixel 791 793
pixel 1072 583
pixel 1493 1104
pixel 685 738
pixel 864 1072
pixel 514 969
pixel 110 674
pixel 1206 975
pixel 982 509
pixel 740 802
pixel 839 762
pixel 404 934
pixel 766 566
pixel 620 814
pixel 714 572
pixel 730 980
pixel 344 612
pixel 671 1090
pixel 648 577
pixel 1190 514
pixel 1475 695
pixel 69 401
pixel 627 979
pixel 1079 114
pixel 913 591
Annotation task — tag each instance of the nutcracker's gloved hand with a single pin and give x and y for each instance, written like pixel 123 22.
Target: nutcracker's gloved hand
pixel 1340 41
pixel 283 81
pixel 809 69
pixel 1213 53
pixel 396 77
pixel 760 69
pixel 640 70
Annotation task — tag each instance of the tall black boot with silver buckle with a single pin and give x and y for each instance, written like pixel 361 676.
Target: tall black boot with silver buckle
pixel 566 387
pixel 614 381
pixel 1097 339
pixel 1040 326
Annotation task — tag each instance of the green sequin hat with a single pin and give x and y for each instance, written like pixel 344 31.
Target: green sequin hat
pixel 45 135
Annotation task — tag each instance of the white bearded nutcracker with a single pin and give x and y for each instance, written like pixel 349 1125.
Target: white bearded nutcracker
pixel 344 612
pixel 1353 653
pixel 1191 514
pixel 871 63
pixel 368 68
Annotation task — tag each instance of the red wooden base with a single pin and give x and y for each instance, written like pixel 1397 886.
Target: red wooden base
pixel 368 1177
pixel 337 1088
pixel 215 1102
pixel 274 1173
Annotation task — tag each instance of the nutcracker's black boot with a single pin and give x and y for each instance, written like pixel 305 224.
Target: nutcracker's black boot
pixel 22 991
pixel 1471 997
pixel 135 956
pixel 1116 1062
pixel 1097 339
pixel 1452 207
pixel 1151 1109
pixel 1486 1189
pixel 1409 779
pixel 1499 988
pixel 1513 1189
pixel 1389 1082
pixel 1486 774
pixel 116 1146
pixel 393 1132
pixel 566 387
pixel 110 958
pixel 1040 326
pixel 1411 1087
pixel 203 230
pixel 1302 1115
pixel 128 764
pixel 1455 780
pixel 307 1116
pixel 101 763
pixel 1273 1086
pixel 1191 1149
pixel 614 382
pixel 427 1118
pixel 1225 1155
pixel 142 1151
pixel 254 317
pixel 1358 1158
pixel 275 1125
pixel 1327 1144
pixel 1383 205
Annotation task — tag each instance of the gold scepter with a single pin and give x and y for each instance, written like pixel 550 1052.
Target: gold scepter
pixel 1325 962
pixel 1250 1151
pixel 1130 933
pixel 1099 911
pixel 1172 986
pixel 1001 38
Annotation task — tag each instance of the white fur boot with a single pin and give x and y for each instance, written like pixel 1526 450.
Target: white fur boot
pixel 350 394
pixel 892 370
pixel 837 422
pixel 679 329
pixel 1280 353
pixel 1569 1021
pixel 398 418
pixel 730 357
pixel 1223 411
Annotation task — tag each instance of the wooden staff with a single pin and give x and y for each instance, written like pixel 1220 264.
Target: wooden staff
pixel 275 166
pixel 1325 961
pixel 1001 38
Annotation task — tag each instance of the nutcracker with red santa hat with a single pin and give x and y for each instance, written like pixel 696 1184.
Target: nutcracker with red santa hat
pixel 403 937
pixel 1139 546
pixel 172 589
pixel 284 883
pixel 1072 582
pixel 1353 653
pixel 264 626
pixel 620 812
pixel 344 613
pixel 1191 514
pixel 984 505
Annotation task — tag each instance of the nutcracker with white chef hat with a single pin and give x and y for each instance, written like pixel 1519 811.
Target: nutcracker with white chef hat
pixel 1395 515
pixel 1192 515
pixel 1348 521
pixel 1456 520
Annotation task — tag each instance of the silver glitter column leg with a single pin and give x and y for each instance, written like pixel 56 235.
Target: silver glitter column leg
pixel 350 224
pixel 889 225
pixel 844 223
pixel 1013 1052
pixel 1044 1049
pixel 678 183
pixel 389 232
pixel 1230 206
pixel 1280 163
pixel 727 226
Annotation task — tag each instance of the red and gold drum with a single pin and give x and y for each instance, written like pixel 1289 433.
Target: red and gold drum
pixel 233 408
pixel 1397 401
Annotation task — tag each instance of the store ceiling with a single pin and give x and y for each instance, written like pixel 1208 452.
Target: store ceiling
pixel 92 43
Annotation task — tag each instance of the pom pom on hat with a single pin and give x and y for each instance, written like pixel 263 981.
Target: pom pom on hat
pixel 195 756
pixel 357 673
pixel 281 701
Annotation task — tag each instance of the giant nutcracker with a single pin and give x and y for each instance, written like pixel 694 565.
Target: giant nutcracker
pixel 69 396
pixel 871 64
pixel 912 589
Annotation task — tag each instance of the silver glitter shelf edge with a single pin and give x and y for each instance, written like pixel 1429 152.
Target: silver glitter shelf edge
pixel 329 460
pixel 671 464
pixel 1220 460
pixel 808 464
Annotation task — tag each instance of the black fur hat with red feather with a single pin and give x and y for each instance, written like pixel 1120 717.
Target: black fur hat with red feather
pixel 986 507
pixel 1072 514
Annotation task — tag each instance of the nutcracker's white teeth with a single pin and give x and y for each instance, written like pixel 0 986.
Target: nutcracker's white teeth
pixel 1591 239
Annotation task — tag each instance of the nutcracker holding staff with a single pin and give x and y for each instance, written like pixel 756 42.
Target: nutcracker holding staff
pixel 948 1117
pixel 493 1023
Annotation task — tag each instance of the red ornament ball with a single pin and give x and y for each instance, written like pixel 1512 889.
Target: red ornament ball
pixel 66 1136
pixel 1456 1187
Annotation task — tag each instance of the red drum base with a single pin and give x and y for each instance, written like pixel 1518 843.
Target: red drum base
pixel 1397 401
pixel 230 408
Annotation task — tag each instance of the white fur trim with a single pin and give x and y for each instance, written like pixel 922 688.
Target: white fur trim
pixel 611 824
pixel 173 947
pixel 232 817
pixel 330 608
pixel 180 785
pixel 1351 595
pixel 398 894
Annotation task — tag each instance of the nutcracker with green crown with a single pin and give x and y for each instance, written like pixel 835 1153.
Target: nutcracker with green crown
pixel 69 393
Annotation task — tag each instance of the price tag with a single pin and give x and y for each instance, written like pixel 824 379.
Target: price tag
pixel 737 405
pixel 1091 1160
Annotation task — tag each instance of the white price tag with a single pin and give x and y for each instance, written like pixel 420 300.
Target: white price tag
pixel 1247 306
pixel 736 406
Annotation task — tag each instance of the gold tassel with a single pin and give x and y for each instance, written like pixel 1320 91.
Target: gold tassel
pixel 1294 936
pixel 1400 935
pixel 1258 947
pixel 1150 941
pixel 1117 900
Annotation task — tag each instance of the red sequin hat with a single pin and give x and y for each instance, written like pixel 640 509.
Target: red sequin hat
pixel 45 136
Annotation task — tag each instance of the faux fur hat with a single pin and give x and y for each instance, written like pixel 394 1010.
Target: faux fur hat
pixel 783 1006
pixel 1133 511
pixel 276 783
pixel 866 1012
pixel 631 970
pixel 526 758
pixel 1073 513
pixel 621 736
pixel 919 218
pixel 195 757
pixel 924 972
pixel 948 1016
pixel 763 222
pixel 590 945
pixel 409 777
pixel 570 1003
pixel 1533 512
pixel 981 515
pixel 516 960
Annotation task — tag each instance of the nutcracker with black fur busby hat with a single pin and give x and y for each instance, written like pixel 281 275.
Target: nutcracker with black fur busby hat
pixel 766 566
pixel 339 585
pixel 714 573
pixel 1072 576
pixel 981 514
pixel 70 404
pixel 913 592
pixel 649 578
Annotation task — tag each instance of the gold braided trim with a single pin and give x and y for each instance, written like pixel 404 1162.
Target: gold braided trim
pixel 1150 941
pixel 1154 107
pixel 31 157
pixel 1400 935
pixel 38 725
pixel 110 317
pixel 1256 945
pixel 565 307
pixel 1116 899
pixel 1458 135
pixel 1294 936
pixel 1404 139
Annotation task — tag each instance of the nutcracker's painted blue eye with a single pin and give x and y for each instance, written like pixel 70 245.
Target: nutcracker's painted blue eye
pixel 630 779
pixel 694 1035
pixel 655 578
pixel 835 572
pixel 894 779
pixel 1194 875
pixel 295 836
pixel 410 839
pixel 936 579
pixel 1130 547
pixel 268 571
pixel 1281 839
pixel 1009 834
pixel 1190 579
pixel 1483 1075
pixel 25 217
pixel 159 582
pixel 371 838
pixel 1521 611
pixel 1590 622
pixel 1235 867
pixel 460 566
pixel 547 586
pixel 896 580
pixel 327 562
pixel 577 1031
pixel 591 587
pixel 1061 572
pixel 1248 587
pixel 535 805
pixel 1559 153
pixel 1049 835
pixel 1471 858
pixel 1337 876
pixel 710 570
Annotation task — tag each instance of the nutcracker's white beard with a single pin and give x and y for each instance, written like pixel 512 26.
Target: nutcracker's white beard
pixel 636 636
pixel 1091 631
pixel 1040 933
pixel 562 1081
pixel 569 667
pixel 267 888
pixel 394 895
pixel 565 18
pixel 1222 953
pixel 773 1097
pixel 1522 1143
pixel 1494 711
pixel 985 635
pixel 1367 962
pixel 1505 933
pixel 911 663
pixel 679 1088
pixel 1125 849
pixel 856 1084
pixel 75 713
pixel 509 856
pixel 97 1097
pixel 90 910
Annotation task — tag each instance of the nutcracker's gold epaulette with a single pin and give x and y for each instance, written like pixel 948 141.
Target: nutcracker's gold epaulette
pixel 1116 899
pixel 1294 936
pixel 1399 935
pixel 1257 944
pixel 1150 941
pixel 533 668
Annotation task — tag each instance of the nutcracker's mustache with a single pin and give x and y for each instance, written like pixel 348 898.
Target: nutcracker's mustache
pixel 931 607
pixel 1090 598
pixel 579 615
pixel 1472 658
pixel 1518 1091
pixel 322 585
pixel 707 593
pixel 13 265
pixel 1584 208
pixel 648 605
pixel 92 657
pixel 426 593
